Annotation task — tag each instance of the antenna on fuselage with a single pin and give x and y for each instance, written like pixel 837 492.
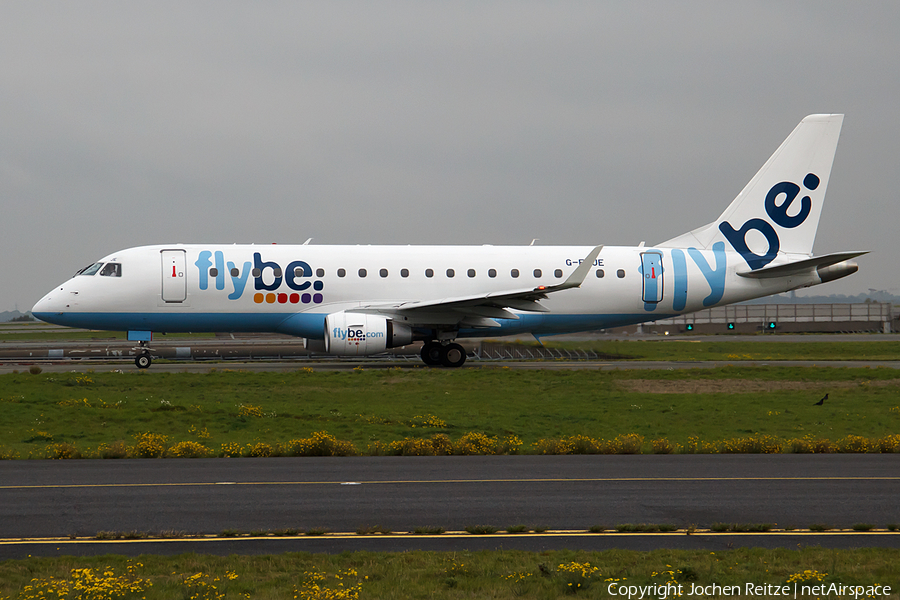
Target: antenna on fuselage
pixel 306 243
pixel 533 241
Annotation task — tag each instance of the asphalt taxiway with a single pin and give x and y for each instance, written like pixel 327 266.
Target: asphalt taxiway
pixel 347 365
pixel 54 507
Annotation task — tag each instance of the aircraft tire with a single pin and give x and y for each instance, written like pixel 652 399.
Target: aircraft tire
pixel 431 354
pixel 453 356
pixel 143 361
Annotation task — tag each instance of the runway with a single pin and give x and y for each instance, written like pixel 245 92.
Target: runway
pixel 259 352
pixel 564 494
pixel 349 365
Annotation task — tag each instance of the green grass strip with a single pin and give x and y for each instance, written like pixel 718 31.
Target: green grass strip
pixel 427 411
pixel 496 574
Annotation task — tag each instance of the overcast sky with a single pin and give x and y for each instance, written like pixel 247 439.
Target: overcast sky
pixel 126 123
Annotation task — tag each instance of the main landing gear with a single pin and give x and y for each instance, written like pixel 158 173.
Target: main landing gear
pixel 143 360
pixel 436 354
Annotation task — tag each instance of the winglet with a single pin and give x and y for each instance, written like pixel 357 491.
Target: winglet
pixel 578 275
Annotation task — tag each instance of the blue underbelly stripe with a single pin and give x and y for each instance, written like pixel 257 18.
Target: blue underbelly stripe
pixel 311 325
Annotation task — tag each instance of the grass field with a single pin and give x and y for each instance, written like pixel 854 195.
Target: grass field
pixel 500 574
pixel 384 405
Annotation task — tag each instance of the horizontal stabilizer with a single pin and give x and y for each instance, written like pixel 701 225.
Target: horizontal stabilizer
pixel 801 266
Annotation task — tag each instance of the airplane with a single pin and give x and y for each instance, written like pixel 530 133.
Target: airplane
pixel 362 300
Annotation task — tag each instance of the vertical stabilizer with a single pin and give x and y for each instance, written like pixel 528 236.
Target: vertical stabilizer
pixel 778 210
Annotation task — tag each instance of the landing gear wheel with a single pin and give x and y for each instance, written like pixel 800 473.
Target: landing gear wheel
pixel 453 355
pixel 431 354
pixel 143 361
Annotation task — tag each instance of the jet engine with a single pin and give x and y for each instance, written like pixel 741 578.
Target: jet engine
pixel 357 334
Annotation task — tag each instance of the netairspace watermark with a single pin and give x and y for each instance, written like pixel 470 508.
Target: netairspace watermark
pixel 795 590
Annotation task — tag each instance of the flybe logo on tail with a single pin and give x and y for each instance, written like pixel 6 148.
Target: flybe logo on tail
pixel 779 214
pixel 296 277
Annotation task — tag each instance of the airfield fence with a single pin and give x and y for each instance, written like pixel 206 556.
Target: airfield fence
pixel 788 313
pixel 493 351
pixel 868 316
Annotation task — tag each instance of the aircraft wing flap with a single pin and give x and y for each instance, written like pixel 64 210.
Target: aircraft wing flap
pixel 491 312
pixel 525 305
pixel 478 322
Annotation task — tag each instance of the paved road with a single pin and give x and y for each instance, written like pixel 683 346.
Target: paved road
pixel 81 498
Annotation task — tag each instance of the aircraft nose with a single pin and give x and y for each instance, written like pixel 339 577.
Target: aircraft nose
pixel 48 306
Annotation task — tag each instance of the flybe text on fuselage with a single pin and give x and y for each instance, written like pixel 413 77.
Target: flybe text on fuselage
pixel 211 265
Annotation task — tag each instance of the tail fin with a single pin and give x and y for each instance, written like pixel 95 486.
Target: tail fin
pixel 783 201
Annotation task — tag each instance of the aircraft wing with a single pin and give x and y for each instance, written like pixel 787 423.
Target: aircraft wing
pixel 479 310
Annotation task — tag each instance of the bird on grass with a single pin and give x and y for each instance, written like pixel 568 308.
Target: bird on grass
pixel 822 401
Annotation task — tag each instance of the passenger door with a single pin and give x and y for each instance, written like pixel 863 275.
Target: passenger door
pixel 651 267
pixel 174 276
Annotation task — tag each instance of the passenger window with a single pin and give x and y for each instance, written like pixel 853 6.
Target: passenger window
pixel 471 273
pixel 600 273
pixel 383 272
pixel 557 273
pixel 213 272
pixel 341 272
pixel 112 270
pixel 404 272
pixel 235 272
pixel 537 272
pixel 362 272
pixel 277 272
pixel 450 272
pixel 620 273
pixel 298 272
pixel 492 272
pixel 514 273
pixel 320 272
pixel 429 272
pixel 90 269
pixel 256 272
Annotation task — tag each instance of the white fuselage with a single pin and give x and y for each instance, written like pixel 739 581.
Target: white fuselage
pixel 292 288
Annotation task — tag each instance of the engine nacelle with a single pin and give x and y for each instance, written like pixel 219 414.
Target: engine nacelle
pixel 356 334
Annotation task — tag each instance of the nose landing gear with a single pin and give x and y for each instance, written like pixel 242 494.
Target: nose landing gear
pixel 143 359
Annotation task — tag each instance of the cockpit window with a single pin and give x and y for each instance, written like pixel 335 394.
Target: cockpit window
pixel 90 269
pixel 111 270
